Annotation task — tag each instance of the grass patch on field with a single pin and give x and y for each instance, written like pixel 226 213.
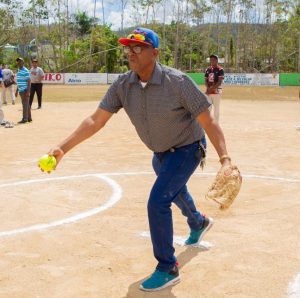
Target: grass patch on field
pixel 80 93
pixel 76 93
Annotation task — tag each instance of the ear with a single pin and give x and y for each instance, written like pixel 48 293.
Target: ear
pixel 155 53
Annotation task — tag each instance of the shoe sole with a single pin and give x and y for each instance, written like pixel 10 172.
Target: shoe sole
pixel 172 282
pixel 210 224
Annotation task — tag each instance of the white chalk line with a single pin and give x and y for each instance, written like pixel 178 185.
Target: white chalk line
pixel 117 193
pixel 179 240
pixel 211 174
pixel 204 174
pixel 293 289
pixel 31 181
pixel 115 197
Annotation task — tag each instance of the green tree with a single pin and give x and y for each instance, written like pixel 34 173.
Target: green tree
pixel 82 23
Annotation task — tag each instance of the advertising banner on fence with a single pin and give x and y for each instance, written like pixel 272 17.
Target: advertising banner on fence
pixel 85 78
pixel 53 78
pixel 111 77
pixel 252 79
pixel 241 79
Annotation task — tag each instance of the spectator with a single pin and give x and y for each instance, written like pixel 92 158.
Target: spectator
pixel 1 77
pixel 2 121
pixel 8 83
pixel 214 76
pixel 23 88
pixel 36 77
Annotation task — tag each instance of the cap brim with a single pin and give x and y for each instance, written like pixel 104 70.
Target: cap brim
pixel 127 41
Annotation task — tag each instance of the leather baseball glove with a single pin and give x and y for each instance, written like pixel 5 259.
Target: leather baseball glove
pixel 226 186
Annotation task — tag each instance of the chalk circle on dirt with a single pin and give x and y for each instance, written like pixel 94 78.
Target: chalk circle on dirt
pixel 294 286
pixel 113 199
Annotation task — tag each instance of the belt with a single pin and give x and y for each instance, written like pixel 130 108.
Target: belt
pixel 173 149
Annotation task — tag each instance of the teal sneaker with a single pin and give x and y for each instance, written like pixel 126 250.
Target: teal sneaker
pixel 160 280
pixel 197 235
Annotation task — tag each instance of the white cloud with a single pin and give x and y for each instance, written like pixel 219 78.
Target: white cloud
pixel 83 5
pixel 133 17
pixel 114 18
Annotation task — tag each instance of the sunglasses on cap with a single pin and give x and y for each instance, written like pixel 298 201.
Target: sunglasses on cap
pixel 136 36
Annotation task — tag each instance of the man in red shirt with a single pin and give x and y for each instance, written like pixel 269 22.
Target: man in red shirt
pixel 214 76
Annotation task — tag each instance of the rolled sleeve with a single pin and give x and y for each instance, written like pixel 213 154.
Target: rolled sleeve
pixel 193 99
pixel 111 101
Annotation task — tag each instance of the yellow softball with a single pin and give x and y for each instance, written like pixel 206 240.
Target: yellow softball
pixel 47 163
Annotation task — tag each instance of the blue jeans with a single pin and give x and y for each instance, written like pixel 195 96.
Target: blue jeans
pixel 173 170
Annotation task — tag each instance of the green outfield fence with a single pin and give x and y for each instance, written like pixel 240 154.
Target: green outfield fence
pixel 289 79
pixel 197 77
pixel 285 79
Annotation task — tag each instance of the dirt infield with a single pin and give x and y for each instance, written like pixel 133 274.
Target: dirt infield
pixel 58 93
pixel 83 233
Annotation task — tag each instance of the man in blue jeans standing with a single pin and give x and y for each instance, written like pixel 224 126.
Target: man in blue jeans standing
pixel 23 88
pixel 170 114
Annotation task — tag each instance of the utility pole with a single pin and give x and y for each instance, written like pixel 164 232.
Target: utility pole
pixel 67 26
pixel 92 34
pixel 35 27
pixel 103 15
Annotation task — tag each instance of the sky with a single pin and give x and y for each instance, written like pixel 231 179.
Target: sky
pixel 112 10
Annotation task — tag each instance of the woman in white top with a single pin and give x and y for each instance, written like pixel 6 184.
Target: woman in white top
pixel 8 84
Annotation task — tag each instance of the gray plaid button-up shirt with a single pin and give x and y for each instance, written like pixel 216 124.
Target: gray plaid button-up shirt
pixel 164 111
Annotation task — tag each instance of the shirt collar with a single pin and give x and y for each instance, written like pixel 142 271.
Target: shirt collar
pixel 157 75
pixel 156 78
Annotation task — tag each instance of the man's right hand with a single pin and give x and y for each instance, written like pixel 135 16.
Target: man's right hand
pixel 57 152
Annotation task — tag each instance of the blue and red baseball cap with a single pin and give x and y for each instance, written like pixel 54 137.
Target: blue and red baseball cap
pixel 141 35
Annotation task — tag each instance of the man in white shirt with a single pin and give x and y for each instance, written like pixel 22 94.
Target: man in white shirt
pixel 8 84
pixel 36 77
pixel 1 114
